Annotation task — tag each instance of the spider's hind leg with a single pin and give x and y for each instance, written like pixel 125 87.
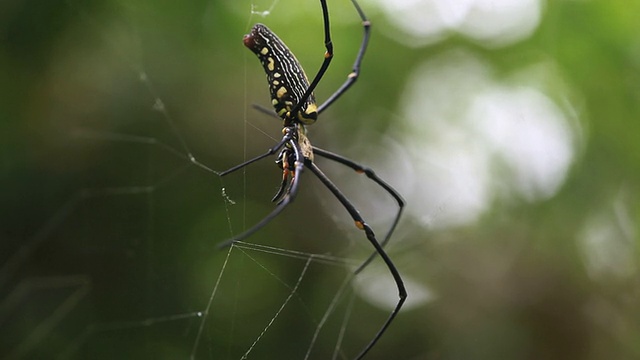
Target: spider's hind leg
pixel 360 169
pixel 362 225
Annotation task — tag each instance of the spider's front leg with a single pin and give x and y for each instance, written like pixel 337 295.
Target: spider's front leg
pixel 292 147
pixel 286 138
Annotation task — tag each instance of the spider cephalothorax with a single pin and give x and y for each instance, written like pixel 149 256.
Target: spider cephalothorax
pixel 287 158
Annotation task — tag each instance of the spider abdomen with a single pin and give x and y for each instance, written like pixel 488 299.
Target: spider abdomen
pixel 287 80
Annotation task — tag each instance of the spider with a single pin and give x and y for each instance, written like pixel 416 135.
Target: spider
pixel 294 102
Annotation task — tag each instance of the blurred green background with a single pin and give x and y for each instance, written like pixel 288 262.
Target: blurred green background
pixel 511 129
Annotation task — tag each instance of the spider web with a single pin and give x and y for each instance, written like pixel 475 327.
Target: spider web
pixel 120 260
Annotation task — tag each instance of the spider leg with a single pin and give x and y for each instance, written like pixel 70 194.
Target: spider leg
pixel 360 169
pixel 283 186
pixel 287 177
pixel 265 110
pixel 328 55
pixel 286 200
pixel 271 151
pixel 362 225
pixel 353 75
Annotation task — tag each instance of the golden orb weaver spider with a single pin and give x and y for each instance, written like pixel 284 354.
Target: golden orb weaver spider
pixel 293 100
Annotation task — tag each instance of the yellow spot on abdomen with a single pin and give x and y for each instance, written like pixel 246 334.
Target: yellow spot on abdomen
pixel 281 92
pixel 310 114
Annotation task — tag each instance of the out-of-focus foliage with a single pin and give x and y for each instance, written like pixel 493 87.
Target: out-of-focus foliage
pixel 518 155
